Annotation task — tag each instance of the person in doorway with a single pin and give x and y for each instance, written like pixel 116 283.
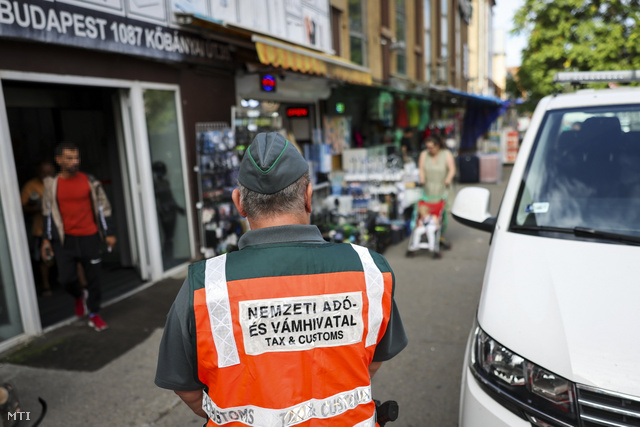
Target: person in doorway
pixel 437 169
pixel 31 198
pixel 288 325
pixel 77 214
pixel 167 207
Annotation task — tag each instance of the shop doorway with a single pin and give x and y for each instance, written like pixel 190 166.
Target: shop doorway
pixel 41 115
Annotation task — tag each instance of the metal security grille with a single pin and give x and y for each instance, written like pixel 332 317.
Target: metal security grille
pixel 605 408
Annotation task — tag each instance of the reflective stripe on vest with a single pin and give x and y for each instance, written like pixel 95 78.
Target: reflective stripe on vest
pixel 219 309
pixel 375 291
pixel 315 408
pixel 217 296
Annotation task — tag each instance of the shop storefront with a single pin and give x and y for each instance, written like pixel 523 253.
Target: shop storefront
pixel 291 105
pixel 375 134
pixel 128 87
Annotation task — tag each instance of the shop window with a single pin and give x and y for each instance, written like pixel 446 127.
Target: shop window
pixel 166 161
pixel 458 48
pixel 426 10
pixel 336 17
pixel 10 320
pixel 444 30
pixel 419 61
pixel 401 37
pixel 357 31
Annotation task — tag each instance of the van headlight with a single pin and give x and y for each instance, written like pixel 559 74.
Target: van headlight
pixel 537 395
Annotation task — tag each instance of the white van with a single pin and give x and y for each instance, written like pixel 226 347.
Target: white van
pixel 557 337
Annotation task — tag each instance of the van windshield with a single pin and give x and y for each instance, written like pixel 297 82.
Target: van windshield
pixel 584 172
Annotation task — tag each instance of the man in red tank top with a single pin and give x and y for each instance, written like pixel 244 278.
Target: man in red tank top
pixel 76 215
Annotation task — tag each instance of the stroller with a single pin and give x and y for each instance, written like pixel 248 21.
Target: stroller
pixel 427 225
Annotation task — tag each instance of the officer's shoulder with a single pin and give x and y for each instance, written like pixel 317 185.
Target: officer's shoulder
pixel 379 259
pixel 198 265
pixel 202 264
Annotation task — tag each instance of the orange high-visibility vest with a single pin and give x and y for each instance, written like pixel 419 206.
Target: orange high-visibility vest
pixel 289 349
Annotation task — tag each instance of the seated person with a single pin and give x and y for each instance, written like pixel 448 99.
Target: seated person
pixel 426 222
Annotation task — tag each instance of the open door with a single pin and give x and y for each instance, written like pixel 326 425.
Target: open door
pixel 38 116
pixel 139 253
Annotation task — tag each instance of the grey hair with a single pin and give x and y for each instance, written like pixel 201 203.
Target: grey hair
pixel 288 200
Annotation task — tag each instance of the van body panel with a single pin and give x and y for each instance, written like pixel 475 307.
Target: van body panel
pixel 569 306
pixel 561 289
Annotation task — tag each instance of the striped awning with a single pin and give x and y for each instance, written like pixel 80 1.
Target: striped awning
pixel 295 58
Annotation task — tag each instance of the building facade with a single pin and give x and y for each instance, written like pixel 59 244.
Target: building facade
pixel 481 49
pixel 132 83
pixel 127 84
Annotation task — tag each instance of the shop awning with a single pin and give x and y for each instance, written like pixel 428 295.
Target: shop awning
pixel 480 113
pixel 295 58
pixel 281 54
pixel 476 100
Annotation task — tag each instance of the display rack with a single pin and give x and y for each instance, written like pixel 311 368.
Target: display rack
pixel 217 169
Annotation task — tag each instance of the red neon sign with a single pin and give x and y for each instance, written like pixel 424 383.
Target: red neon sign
pixel 297 112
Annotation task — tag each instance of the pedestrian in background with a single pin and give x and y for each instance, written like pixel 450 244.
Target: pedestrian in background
pixel 31 198
pixel 77 215
pixel 437 168
pixel 167 208
pixel 289 328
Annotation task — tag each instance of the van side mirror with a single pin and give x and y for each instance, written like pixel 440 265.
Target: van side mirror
pixel 471 208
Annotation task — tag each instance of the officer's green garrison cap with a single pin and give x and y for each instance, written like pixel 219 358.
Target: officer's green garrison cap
pixel 271 164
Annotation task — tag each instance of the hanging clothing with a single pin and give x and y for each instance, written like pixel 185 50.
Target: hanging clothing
pixel 413 110
pixel 402 119
pixel 425 115
pixel 385 109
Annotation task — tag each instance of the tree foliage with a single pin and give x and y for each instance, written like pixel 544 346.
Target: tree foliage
pixel 575 35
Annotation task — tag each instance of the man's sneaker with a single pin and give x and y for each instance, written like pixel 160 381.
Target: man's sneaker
pixel 96 322
pixel 81 304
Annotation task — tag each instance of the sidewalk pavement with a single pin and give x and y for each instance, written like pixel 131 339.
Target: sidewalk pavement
pixel 101 378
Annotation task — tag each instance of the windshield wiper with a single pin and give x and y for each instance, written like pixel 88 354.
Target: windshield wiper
pixel 580 232
pixel 616 237
pixel 542 228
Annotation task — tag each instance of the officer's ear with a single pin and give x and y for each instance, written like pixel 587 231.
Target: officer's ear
pixel 235 196
pixel 307 198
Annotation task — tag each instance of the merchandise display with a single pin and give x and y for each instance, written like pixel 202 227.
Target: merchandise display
pixel 366 201
pixel 218 162
pixel 360 194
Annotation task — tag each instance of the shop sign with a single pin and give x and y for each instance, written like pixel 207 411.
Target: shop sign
pixel 88 27
pixel 511 146
pixel 302 22
pixel 268 83
pixel 297 112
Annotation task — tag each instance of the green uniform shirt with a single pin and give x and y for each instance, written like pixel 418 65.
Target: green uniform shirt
pixel 175 370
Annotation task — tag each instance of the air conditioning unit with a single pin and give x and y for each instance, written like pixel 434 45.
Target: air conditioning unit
pixel 401 45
